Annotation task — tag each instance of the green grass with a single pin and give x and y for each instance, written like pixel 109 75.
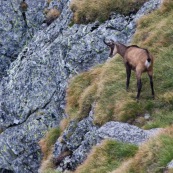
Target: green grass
pixel 78 88
pixel 86 11
pixel 112 102
pixel 48 141
pixel 106 157
pixel 46 144
pixel 151 157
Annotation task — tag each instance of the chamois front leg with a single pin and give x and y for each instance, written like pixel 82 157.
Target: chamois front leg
pixel 151 83
pixel 139 85
pixel 128 73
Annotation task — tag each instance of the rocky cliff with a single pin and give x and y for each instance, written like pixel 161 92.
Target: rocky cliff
pixel 32 90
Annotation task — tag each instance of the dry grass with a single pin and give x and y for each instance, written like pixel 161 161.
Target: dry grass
pixel 86 11
pixel 79 86
pixel 169 171
pixel 64 124
pixel 125 167
pixel 153 30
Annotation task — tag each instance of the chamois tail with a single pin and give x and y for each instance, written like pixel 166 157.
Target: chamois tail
pixel 148 61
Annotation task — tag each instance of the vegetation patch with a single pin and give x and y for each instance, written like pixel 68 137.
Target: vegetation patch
pixel 1 130
pixel 82 86
pixel 106 157
pixel 49 140
pixel 86 11
pixel 104 86
pixel 151 157
pixel 46 144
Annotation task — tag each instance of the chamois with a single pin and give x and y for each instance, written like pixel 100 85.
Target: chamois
pixel 135 58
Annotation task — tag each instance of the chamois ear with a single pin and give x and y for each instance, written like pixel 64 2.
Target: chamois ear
pixel 112 41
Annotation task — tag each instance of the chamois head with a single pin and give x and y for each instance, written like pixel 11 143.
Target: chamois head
pixel 113 47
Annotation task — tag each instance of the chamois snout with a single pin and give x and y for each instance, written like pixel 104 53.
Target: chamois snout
pixel 113 47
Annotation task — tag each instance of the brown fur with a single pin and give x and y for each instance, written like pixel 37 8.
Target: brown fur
pixel 64 154
pixel 137 57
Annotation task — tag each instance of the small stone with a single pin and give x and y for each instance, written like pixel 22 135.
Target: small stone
pixel 170 165
pixel 147 116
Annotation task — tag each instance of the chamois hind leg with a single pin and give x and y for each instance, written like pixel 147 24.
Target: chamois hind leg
pixel 139 84
pixel 128 73
pixel 151 83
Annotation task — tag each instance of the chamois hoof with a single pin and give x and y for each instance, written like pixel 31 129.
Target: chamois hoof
pixel 127 90
pixel 137 100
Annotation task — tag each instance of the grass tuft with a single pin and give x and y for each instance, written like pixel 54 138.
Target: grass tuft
pixel 153 156
pixel 49 140
pixel 106 157
pixel 86 11
pixel 46 144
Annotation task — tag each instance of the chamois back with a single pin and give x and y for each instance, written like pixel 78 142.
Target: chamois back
pixel 138 58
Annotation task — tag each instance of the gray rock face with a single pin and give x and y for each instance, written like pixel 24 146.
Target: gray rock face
pixel 170 165
pixel 125 133
pixel 32 94
pixel 14 34
pixel 80 137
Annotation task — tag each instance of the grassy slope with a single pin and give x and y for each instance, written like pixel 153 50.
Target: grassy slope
pixel 105 84
pixel 151 157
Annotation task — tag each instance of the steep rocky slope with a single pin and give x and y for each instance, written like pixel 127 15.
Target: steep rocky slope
pixel 32 94
pixel 14 33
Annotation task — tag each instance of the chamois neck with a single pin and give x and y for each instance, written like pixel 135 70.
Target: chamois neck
pixel 121 49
